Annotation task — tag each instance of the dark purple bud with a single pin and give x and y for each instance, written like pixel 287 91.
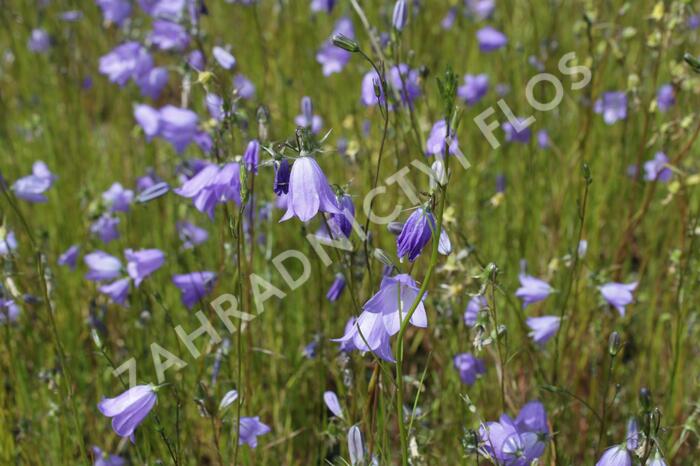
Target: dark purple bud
pixel 281 184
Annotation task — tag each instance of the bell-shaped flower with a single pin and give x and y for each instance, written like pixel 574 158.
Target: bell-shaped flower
pixel 250 429
pixel 618 295
pixel 32 187
pixel 543 328
pixel 117 291
pixel 615 456
pixel 102 266
pixel 129 409
pixel 194 286
pixel 393 301
pixel 469 367
pixel 309 191
pixel 532 289
pixel 415 234
pixel 142 263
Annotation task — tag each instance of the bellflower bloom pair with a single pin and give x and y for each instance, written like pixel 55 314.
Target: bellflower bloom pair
pixel 612 105
pixel 250 429
pixel 469 367
pixel 336 288
pixel 333 59
pixel 191 235
pixel 517 442
pixel 194 286
pixel 105 228
pixel 618 295
pixel 435 145
pixel 543 328
pixel 474 88
pixel 178 126
pixel 665 97
pixel 213 185
pixel 401 79
pixel 32 187
pixel 532 289
pixel 167 35
pixel 307 119
pixel 129 409
pixel 475 305
pixel 115 11
pixel 656 169
pixel 490 39
pixel 118 198
pixel 309 191
pixel 69 257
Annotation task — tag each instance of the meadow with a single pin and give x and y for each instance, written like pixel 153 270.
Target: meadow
pixel 352 232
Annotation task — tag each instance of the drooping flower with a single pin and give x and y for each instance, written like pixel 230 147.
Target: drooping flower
pixel 519 442
pixel 117 291
pixel 69 257
pixel 618 295
pixel 148 119
pixel 243 87
pixel 490 39
pixel 615 456
pixel 309 191
pixel 336 288
pixel 612 105
pixel 333 59
pixel 469 367
pixel 129 409
pixel 224 58
pixel 394 299
pixel 657 169
pixel 191 235
pixel 104 459
pixel 475 305
pixel 178 126
pixel 532 289
pixel 415 234
pixel 32 187
pixel 115 11
pixel 194 286
pixel 39 41
pixel 167 35
pixel 474 88
pixel 543 328
pixel 126 61
pixel 196 60
pixel 143 263
pixel 367 333
pixel 118 198
pixel 8 242
pixel 212 185
pixel 401 79
pixel 282 173
pixel 307 119
pixel 481 9
pixel 400 15
pixel 517 132
pixel 102 266
pixel 250 429
pixel 9 311
pixel 437 141
pixel 331 400
pixel 251 157
pixel 341 224
pixel 665 97
pixel 105 227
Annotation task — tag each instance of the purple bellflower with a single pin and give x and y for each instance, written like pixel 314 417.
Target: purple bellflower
pixel 394 299
pixel 191 235
pixel 281 182
pixel 143 263
pixel 543 328
pixel 415 234
pixel 469 367
pixel 69 257
pixel 615 456
pixel 251 157
pixel 309 191
pixel 474 88
pixel 613 106
pixel 32 187
pixel 480 9
pixel 519 442
pixel 194 286
pixel 167 35
pixel 117 291
pixel 224 58
pixel 435 145
pixel 325 6
pixel 250 429
pixel 164 9
pixel 341 224
pixel 105 227
pixel 9 311
pixel 656 169
pixel 490 39
pixel 367 333
pixel 532 289
pixel 129 409
pixel 102 266
pixel 618 295
pixel 8 242
pixel 39 41
pixel 115 11
pixel 243 87
pixel 665 97
pixel 336 288
pixel 212 185
pixel 118 198
pixel 333 59
pixel 475 305
pixel 331 400
pixel 400 15
pixel 307 119
pixel 126 61
pixel 517 132
pixel 104 459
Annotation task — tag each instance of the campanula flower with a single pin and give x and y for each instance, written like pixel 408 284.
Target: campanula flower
pixel 469 367
pixel 367 333
pixel 190 235
pixel 325 6
pixel 474 88
pixel 415 234
pixel 615 456
pixel 129 409
pixel 105 227
pixel 118 198
pixel 178 126
pixel 117 291
pixel 401 79
pixel 152 82
pixel 126 61
pixel 517 132
pixel 394 299
pixel 39 41
pixel 543 328
pixel 341 224
pixel 163 9
pixel 251 157
pixel 613 106
pixel 309 192
pixel 532 289
pixel 9 311
pixel 632 434
pixel 224 58
pixel 307 119
pixel 657 169
pixel 519 442
pixel 32 187
pixel 243 87
pixel 167 35
pixel 212 185
pixel 102 266
pixel 356 447
pixel 543 139
pixel 104 459
pixel 148 119
pixel 250 429
pixel 490 39
pixel 618 295
pixel 475 305
pixel 115 11
pixel 480 9
pixel 8 242
pixel 665 97
pixel 348 345
pixel 69 257
pixel 336 288
pixel 400 15
pixel 437 141
pixel 194 286
pixel 331 400
pixel 143 263
pixel 333 59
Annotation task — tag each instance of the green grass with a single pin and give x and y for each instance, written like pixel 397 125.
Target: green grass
pixel 636 230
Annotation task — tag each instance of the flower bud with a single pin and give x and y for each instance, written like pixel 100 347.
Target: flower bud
pixel 400 15
pixel 614 344
pixel 344 42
